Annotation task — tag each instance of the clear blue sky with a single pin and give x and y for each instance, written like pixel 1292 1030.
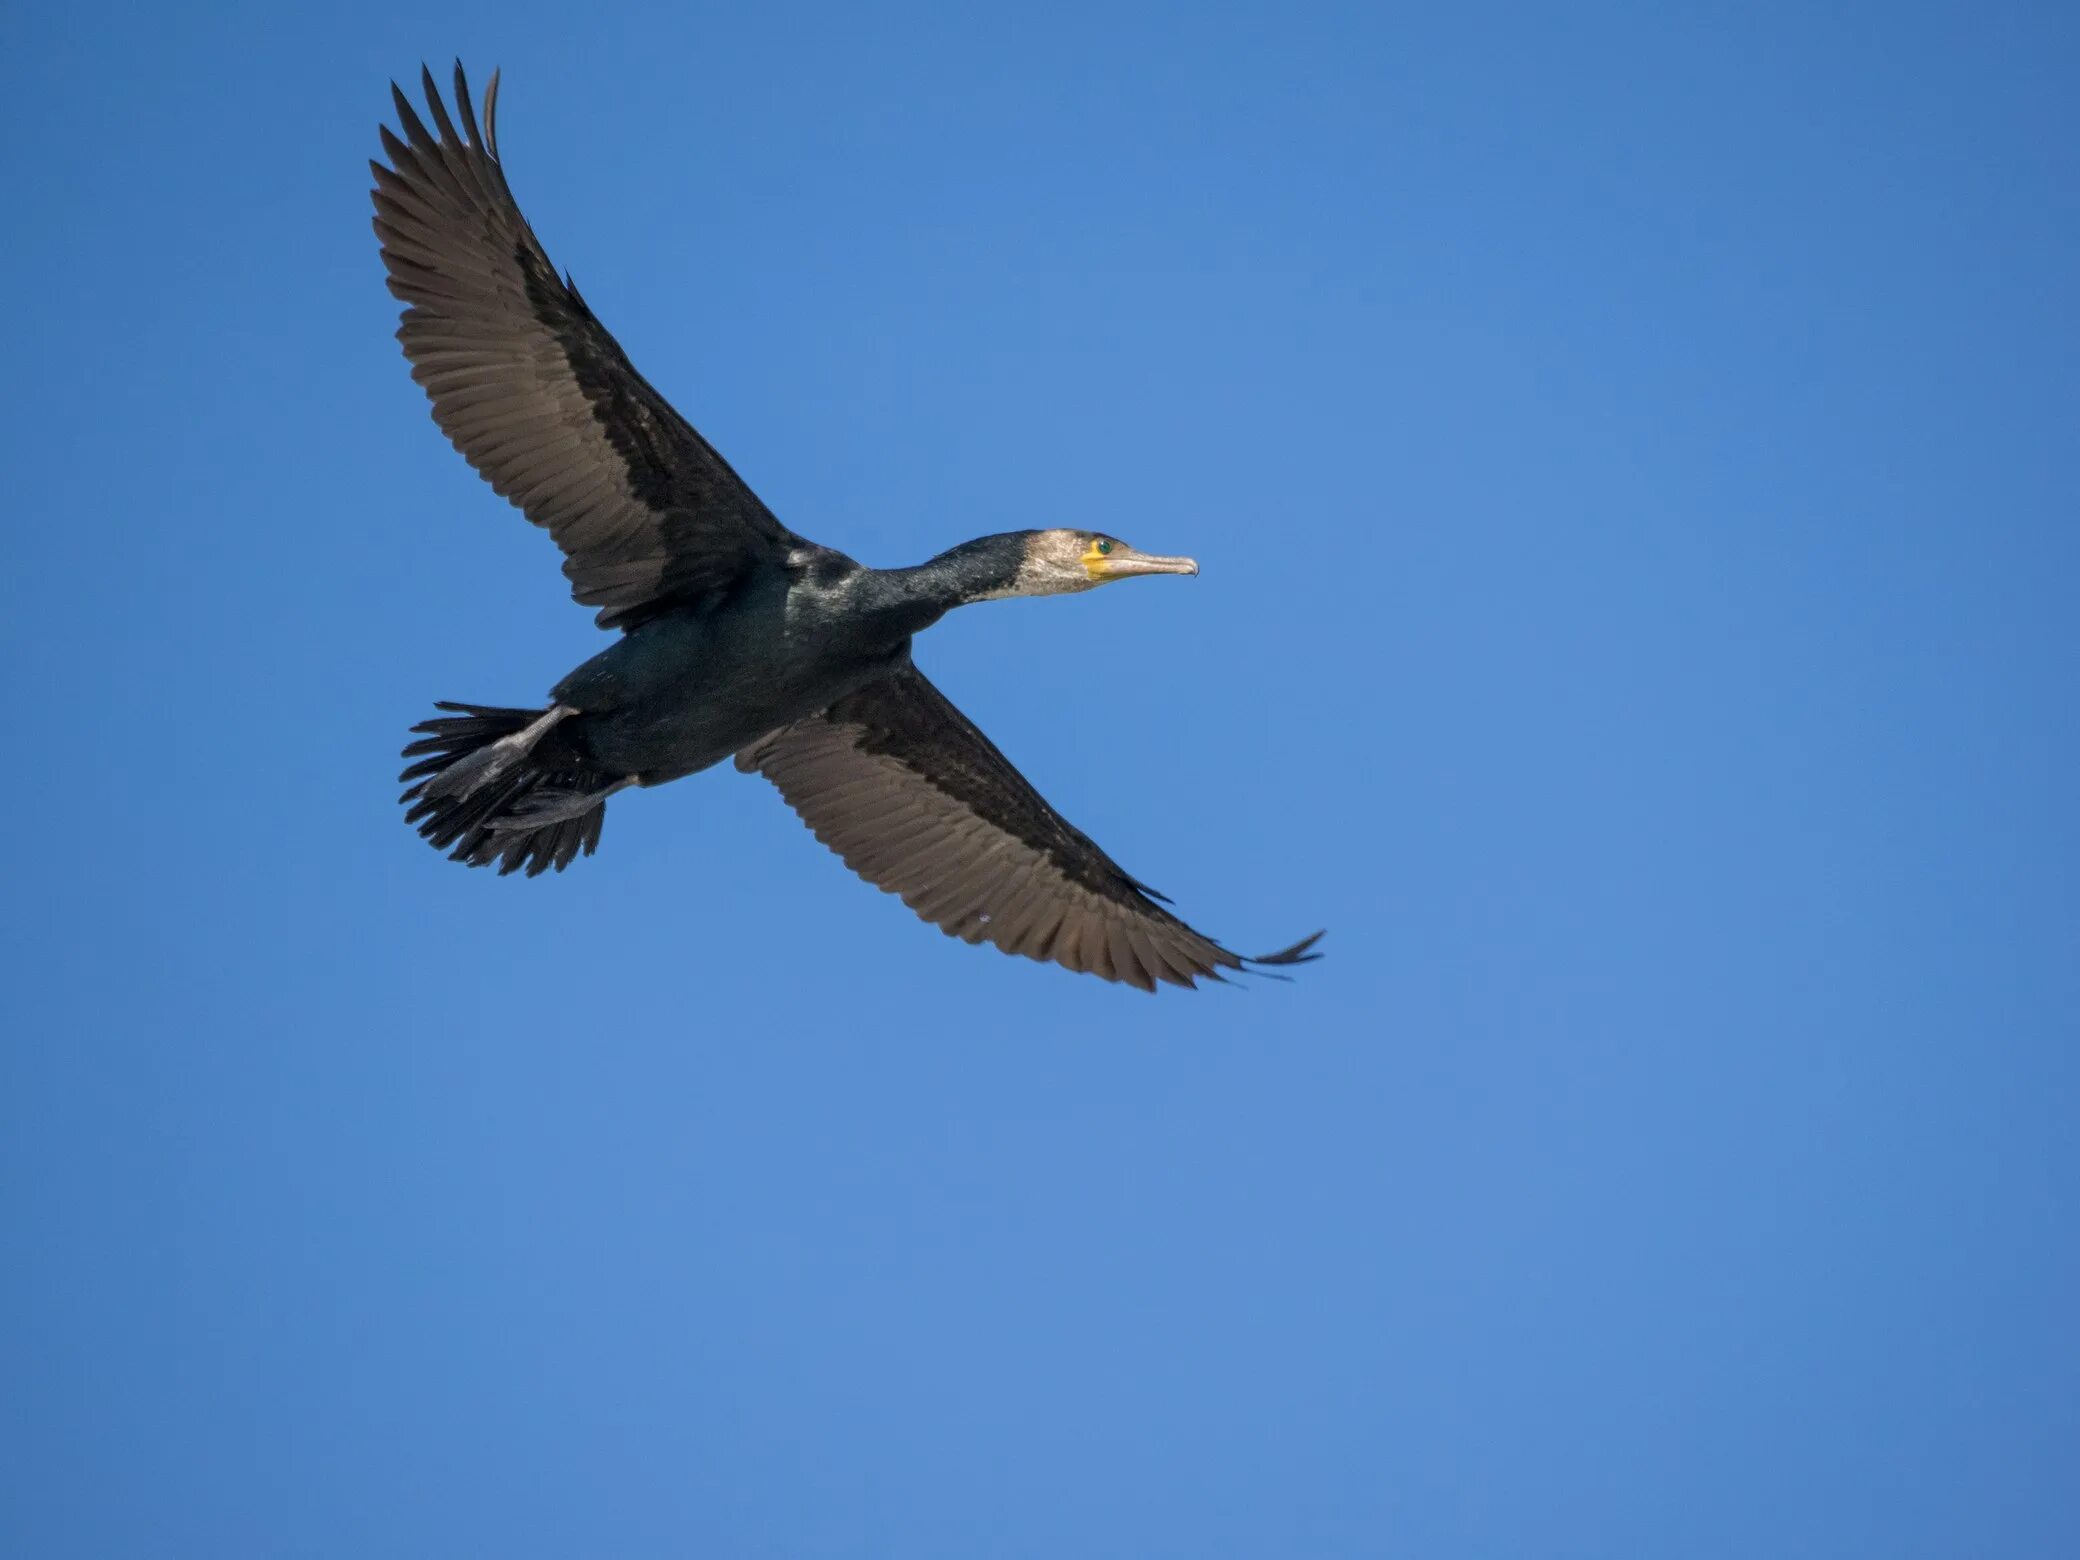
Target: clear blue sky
pixel 1632 456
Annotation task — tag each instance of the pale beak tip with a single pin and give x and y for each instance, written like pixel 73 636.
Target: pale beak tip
pixel 1131 563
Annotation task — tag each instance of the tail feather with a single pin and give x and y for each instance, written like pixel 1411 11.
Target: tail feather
pixel 487 824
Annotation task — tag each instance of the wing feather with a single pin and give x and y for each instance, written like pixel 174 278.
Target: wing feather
pixel 921 804
pixel 535 393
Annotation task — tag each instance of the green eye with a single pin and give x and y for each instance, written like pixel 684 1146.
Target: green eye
pixel 1104 547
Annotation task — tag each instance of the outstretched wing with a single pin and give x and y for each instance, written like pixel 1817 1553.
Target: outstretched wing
pixel 535 393
pixel 919 803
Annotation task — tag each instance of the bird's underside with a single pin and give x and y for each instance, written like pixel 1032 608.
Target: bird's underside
pixel 664 539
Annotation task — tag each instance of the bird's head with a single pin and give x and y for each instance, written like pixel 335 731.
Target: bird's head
pixel 1035 563
pixel 1059 561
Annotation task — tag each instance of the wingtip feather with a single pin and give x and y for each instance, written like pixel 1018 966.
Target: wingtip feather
pixel 1297 954
pixel 491 116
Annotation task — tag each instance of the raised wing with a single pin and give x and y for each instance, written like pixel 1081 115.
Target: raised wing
pixel 920 803
pixel 535 393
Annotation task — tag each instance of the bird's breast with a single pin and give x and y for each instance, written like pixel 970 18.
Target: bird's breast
pixel 683 693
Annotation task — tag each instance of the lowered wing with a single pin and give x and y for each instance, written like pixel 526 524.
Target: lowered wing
pixel 919 803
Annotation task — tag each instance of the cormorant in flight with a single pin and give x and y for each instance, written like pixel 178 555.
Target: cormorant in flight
pixel 738 637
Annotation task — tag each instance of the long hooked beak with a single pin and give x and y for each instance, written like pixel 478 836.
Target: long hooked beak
pixel 1124 561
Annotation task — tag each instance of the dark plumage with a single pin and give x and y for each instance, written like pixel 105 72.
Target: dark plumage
pixel 738 638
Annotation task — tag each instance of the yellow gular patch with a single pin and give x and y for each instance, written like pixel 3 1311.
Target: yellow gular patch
pixel 1094 559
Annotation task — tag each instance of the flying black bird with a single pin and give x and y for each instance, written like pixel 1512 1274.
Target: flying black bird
pixel 737 636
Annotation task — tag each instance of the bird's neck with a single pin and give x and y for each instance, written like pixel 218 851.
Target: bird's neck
pixel 915 598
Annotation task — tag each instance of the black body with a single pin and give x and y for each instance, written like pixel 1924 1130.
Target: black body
pixel 696 684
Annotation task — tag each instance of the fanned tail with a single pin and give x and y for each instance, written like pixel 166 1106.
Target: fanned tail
pixel 528 810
